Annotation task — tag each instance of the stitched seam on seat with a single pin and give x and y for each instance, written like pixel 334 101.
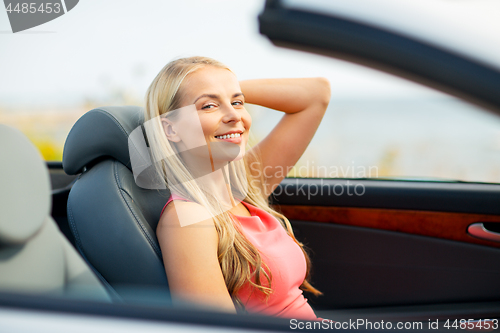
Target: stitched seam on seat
pixel 137 220
pixel 73 227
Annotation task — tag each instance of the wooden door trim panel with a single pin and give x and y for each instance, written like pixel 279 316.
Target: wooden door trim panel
pixel 444 225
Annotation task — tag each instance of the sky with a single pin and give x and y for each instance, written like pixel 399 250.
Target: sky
pixel 115 44
pixel 104 46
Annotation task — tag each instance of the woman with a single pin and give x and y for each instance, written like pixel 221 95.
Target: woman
pixel 222 244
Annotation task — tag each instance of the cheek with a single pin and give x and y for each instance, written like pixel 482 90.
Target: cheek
pixel 208 126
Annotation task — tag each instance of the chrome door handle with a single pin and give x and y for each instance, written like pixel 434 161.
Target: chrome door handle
pixel 479 231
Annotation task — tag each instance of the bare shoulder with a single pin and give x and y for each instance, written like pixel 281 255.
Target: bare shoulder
pixel 181 213
pixel 186 223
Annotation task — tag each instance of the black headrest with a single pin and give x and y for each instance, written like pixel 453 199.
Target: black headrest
pixel 101 132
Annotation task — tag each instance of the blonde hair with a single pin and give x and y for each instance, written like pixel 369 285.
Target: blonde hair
pixel 240 261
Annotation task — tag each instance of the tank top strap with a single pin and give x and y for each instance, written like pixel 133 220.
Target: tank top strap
pixel 173 196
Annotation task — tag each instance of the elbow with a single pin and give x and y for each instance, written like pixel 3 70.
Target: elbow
pixel 324 91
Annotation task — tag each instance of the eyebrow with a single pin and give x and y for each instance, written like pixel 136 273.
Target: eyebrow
pixel 216 96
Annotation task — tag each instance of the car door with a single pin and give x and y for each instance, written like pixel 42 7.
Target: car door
pixel 415 247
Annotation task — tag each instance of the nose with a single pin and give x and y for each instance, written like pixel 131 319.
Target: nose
pixel 231 114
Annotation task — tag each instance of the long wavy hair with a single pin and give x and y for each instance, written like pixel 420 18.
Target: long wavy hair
pixel 240 260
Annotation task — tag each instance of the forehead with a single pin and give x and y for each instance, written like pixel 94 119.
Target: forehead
pixel 210 80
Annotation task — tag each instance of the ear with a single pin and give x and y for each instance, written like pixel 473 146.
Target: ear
pixel 169 129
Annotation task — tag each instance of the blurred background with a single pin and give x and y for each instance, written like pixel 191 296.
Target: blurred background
pixel 107 53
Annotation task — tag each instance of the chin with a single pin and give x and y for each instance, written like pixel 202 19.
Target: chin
pixel 239 157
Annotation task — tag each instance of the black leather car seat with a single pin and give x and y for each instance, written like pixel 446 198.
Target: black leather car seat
pixel 35 257
pixel 114 220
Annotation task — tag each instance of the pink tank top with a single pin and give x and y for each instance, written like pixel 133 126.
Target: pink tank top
pixel 285 261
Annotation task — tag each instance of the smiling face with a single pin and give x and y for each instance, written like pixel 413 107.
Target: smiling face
pixel 219 102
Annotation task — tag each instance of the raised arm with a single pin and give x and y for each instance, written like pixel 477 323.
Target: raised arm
pixel 304 102
pixel 190 258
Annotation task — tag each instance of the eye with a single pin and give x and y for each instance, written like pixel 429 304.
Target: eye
pixel 240 103
pixel 208 106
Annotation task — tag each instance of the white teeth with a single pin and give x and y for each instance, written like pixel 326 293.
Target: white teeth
pixel 229 136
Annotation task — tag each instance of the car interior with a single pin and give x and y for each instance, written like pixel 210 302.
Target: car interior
pixel 35 256
pixel 402 246
pixel 401 250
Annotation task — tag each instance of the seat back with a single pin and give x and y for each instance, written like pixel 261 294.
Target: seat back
pixel 35 257
pixel 114 220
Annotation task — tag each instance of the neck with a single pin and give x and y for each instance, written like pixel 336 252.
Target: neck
pixel 211 176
